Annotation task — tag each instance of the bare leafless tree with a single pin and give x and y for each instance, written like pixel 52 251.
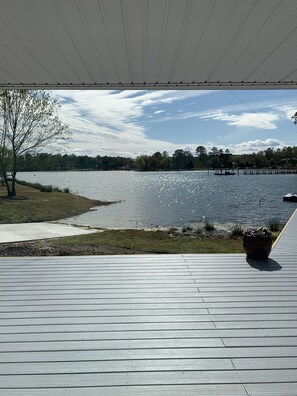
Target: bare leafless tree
pixel 30 122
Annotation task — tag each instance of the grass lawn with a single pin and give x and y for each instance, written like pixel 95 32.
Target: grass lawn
pixel 32 205
pixel 140 241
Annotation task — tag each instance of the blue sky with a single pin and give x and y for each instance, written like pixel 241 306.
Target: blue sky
pixel 131 123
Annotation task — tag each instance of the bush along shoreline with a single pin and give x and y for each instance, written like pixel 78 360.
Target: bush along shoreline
pixel 43 188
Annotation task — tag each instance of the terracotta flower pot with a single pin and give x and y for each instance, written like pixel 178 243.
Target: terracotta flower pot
pixel 257 248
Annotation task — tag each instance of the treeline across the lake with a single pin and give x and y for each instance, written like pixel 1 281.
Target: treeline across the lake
pixel 56 162
pixel 215 158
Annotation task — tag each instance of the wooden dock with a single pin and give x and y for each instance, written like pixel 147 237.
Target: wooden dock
pixel 252 171
pixel 150 325
pixel 268 171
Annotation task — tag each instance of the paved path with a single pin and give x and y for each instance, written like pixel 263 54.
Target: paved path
pixel 32 231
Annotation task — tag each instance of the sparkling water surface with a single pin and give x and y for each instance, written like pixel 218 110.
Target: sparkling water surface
pixel 153 199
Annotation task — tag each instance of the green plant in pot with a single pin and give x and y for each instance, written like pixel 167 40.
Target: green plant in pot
pixel 257 243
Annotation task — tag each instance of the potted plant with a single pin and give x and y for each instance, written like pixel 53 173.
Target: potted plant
pixel 257 243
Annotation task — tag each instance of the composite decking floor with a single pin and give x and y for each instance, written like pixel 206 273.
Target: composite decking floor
pixel 149 325
pixel 288 240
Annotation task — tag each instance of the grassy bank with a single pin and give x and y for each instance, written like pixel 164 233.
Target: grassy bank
pixel 143 242
pixel 124 242
pixel 32 205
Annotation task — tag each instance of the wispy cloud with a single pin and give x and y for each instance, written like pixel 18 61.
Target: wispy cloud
pixel 255 120
pixel 112 121
pixel 121 122
pixel 243 114
pixel 260 120
pixel 288 109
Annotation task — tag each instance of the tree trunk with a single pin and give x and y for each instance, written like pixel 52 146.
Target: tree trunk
pixel 13 189
pixel 6 182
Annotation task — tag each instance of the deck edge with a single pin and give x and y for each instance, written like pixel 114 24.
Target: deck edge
pixel 283 230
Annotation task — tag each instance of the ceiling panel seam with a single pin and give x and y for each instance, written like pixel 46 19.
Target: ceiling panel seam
pixel 37 39
pixel 180 39
pixel 294 71
pixel 127 41
pixel 256 32
pixel 284 78
pixel 53 39
pixel 91 39
pixel 219 33
pixel 20 60
pixel 107 35
pixel 59 12
pixel 8 74
pixel 25 47
pixel 198 39
pixel 165 21
pixel 273 51
pixel 145 34
pixel 232 41
pixel 18 69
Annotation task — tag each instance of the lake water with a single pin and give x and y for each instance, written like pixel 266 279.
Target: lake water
pixel 174 198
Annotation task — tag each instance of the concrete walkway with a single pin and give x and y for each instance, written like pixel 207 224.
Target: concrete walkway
pixel 31 231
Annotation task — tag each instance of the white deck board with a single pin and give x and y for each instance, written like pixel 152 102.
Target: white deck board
pixel 144 390
pixel 287 243
pixel 150 325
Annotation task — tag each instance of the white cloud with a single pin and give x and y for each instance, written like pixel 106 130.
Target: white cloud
pixel 237 114
pixel 254 120
pixel 249 147
pixel 114 122
pixel 105 122
pixel 260 120
pixel 289 110
pixel 253 146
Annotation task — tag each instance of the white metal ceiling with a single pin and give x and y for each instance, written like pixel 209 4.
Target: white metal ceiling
pixel 148 43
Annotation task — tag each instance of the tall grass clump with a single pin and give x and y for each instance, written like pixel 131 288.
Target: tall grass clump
pixel 236 230
pixel 208 225
pixel 41 188
pixel 186 228
pixel 274 225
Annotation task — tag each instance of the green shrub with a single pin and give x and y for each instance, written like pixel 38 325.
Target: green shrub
pixel 187 228
pixel 48 188
pixel 42 188
pixel 236 230
pixel 274 225
pixel 198 231
pixel 208 225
